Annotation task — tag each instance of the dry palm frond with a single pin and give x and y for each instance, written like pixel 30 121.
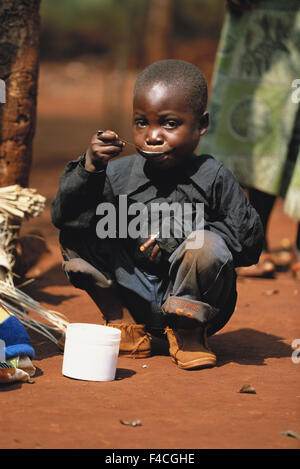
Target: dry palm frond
pixel 21 202
pixel 15 202
pixel 18 202
pixel 20 304
pixel 7 259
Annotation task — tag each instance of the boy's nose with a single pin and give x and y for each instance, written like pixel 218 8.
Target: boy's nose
pixel 154 137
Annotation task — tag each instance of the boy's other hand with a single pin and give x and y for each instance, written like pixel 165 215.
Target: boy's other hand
pixel 148 250
pixel 103 146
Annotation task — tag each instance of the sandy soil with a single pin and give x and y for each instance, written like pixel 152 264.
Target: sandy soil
pixel 178 409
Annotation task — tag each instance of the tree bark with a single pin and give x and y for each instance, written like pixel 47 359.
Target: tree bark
pixel 158 29
pixel 19 60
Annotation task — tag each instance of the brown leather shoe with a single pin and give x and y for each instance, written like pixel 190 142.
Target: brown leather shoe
pixel 189 348
pixel 135 341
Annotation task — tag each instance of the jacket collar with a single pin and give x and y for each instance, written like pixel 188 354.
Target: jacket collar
pixel 143 182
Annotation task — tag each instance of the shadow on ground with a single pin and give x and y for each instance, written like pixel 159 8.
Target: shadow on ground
pixel 242 346
pixel 248 347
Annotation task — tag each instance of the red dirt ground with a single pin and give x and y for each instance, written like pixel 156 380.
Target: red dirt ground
pixel 178 409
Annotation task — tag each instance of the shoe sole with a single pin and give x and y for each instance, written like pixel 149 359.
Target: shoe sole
pixel 196 364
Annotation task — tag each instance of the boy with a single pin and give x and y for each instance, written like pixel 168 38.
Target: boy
pixel 167 283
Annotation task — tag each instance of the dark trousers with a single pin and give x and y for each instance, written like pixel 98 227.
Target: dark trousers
pixel 198 283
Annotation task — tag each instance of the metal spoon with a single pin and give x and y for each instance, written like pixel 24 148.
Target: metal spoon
pixel 141 152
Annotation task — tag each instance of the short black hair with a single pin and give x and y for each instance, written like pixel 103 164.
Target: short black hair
pixel 180 73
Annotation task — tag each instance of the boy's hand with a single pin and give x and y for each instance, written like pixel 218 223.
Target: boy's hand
pixel 154 247
pixel 147 250
pixel 104 146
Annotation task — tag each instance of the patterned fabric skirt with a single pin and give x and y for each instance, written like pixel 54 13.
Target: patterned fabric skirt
pixel 254 103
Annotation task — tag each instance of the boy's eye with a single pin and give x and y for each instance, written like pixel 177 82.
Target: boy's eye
pixel 140 122
pixel 171 124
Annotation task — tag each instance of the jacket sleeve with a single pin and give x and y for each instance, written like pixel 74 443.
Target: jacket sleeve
pixel 79 193
pixel 236 220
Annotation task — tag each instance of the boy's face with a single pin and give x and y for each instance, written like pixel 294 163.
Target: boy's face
pixel 163 121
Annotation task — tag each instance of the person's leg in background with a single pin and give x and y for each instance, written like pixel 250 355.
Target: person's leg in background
pixel 263 204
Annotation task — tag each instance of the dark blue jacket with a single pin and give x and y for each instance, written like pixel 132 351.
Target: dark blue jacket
pixel 202 180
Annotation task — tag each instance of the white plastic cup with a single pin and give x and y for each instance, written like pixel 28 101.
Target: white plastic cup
pixel 91 352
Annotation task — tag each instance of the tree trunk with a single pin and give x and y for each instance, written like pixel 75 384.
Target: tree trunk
pixel 158 29
pixel 19 58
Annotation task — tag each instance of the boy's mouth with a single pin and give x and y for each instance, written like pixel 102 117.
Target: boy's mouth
pixel 151 154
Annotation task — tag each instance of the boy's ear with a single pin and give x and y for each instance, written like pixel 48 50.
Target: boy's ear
pixel 203 123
